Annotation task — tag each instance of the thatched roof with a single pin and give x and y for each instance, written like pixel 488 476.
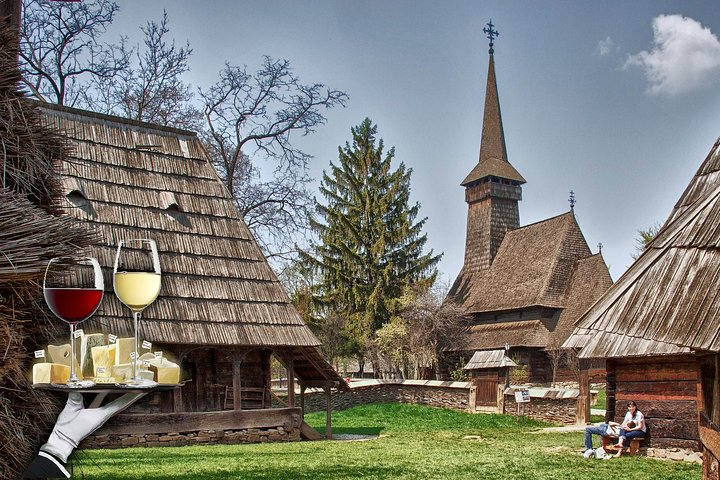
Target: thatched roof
pixel 29 236
pixel 134 180
pixel 667 301
pixel 545 264
pixel 489 359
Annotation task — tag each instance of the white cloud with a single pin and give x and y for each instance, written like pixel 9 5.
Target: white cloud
pixel 685 56
pixel 605 47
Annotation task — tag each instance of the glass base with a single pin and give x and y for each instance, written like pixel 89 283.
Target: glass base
pixel 77 384
pixel 141 383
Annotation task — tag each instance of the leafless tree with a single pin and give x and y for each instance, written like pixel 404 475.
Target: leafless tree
pixel 432 325
pixel 556 356
pixel 151 89
pixel 60 47
pixel 252 120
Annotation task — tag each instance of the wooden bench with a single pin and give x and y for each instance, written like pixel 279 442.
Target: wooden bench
pixel 609 444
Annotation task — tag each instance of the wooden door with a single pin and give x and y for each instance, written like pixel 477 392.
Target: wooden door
pixel 486 387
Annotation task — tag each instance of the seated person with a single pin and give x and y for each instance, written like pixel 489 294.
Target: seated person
pixel 633 426
pixel 604 430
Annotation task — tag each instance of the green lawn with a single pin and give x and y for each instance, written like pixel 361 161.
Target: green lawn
pixel 416 442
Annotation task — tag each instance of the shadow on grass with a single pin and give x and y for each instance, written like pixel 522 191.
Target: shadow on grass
pixel 353 430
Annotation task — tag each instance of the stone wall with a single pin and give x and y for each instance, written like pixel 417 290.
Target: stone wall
pixel 198 428
pixel 549 405
pixel 201 437
pixel 453 395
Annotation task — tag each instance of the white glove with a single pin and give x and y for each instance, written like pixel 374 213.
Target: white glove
pixel 76 422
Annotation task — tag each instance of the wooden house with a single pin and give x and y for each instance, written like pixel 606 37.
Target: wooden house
pixel 522 287
pixel 222 313
pixel 658 326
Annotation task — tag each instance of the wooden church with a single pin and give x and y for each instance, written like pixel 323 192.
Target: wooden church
pixel 522 288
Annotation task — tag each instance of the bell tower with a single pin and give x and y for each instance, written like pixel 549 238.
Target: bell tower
pixel 492 188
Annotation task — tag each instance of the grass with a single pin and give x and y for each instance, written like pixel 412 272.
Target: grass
pixel 416 442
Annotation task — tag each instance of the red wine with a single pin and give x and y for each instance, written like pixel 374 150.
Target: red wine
pixel 73 305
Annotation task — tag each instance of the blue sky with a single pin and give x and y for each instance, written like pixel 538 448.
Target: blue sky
pixel 618 101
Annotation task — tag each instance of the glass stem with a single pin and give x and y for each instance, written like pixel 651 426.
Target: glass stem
pixel 73 376
pixel 136 316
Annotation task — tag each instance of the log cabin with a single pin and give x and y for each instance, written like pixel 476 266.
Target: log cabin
pixel 658 326
pixel 221 313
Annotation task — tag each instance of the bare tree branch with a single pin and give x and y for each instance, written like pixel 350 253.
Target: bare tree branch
pixel 252 119
pixel 60 47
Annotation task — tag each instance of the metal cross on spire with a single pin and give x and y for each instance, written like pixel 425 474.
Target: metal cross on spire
pixel 491 34
pixel 600 246
pixel 572 201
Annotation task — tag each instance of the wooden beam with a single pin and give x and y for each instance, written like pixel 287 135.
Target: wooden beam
pixel 291 380
pixel 582 416
pixel 237 383
pixel 177 400
pixel 302 398
pixel 328 414
pixel 715 417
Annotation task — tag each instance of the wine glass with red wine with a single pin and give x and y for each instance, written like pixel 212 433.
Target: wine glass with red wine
pixel 73 289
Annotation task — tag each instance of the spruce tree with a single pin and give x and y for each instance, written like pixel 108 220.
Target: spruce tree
pixel 370 245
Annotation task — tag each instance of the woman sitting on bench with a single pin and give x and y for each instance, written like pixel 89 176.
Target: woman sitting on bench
pixel 633 426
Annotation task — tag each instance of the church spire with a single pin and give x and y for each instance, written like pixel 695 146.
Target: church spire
pixel 493 159
pixel 492 189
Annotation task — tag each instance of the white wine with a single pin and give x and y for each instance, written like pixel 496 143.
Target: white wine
pixel 137 290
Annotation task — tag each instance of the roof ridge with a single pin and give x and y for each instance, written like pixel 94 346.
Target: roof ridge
pixel 539 222
pixel 111 118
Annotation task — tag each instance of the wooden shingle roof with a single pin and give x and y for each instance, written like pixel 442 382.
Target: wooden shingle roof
pixel 545 264
pixel 133 180
pixel 667 302
pixel 533 267
pixel 489 359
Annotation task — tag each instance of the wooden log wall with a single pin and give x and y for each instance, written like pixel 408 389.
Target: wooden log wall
pixel 665 389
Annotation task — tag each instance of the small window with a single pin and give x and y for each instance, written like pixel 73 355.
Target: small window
pixel 169 203
pixel 76 196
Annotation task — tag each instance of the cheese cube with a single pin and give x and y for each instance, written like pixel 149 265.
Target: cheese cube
pixel 125 346
pixel 165 371
pixel 123 373
pixel 86 358
pixel 60 354
pixel 103 356
pixel 50 373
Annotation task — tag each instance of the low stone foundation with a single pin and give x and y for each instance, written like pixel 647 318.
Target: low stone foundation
pixel 198 428
pixel 201 437
pixel 546 404
pixel 677 454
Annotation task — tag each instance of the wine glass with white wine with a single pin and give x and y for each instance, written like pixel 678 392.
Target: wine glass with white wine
pixel 136 280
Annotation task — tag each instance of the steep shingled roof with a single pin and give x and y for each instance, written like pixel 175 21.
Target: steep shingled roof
pixel 545 264
pixel 532 268
pixel 493 159
pixel 145 181
pixel 667 302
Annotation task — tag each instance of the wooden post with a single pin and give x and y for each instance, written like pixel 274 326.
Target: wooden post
pixel 328 414
pixel 177 400
pixel 290 364
pixel 716 392
pixel 582 416
pixel 302 398
pixel 237 384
